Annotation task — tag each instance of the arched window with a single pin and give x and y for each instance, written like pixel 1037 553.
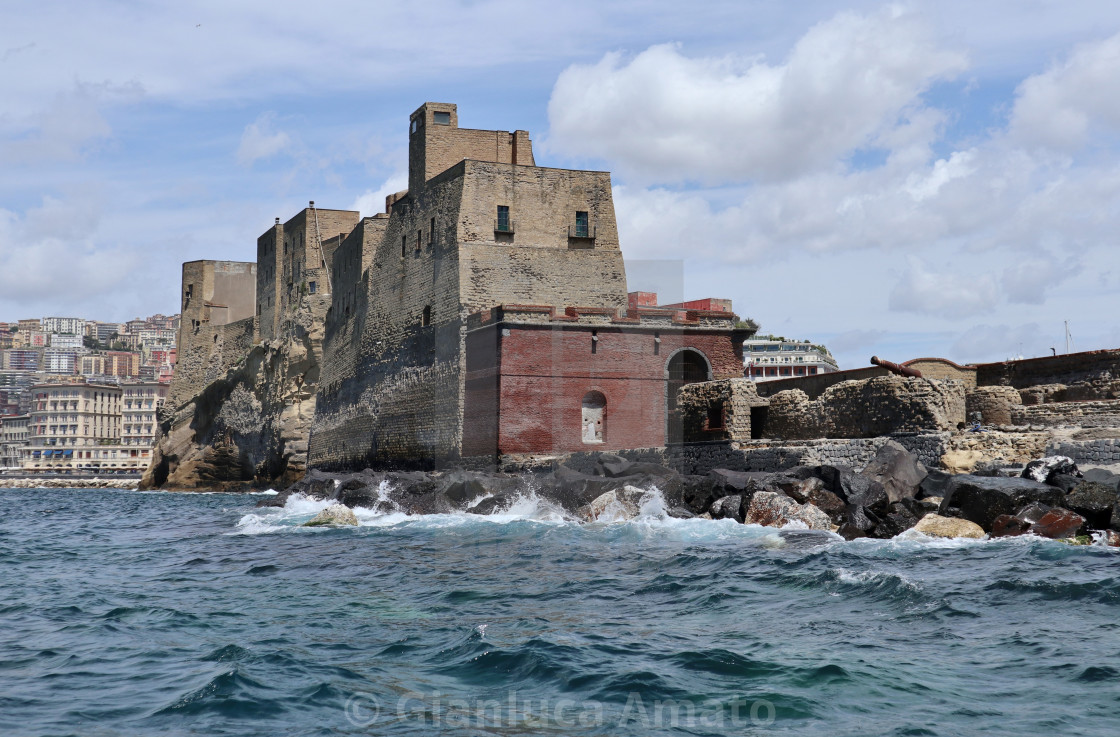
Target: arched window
pixel 594 417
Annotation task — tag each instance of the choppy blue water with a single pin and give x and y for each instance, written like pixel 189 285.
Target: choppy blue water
pixel 132 613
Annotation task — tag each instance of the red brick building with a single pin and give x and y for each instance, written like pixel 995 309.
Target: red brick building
pixel 541 380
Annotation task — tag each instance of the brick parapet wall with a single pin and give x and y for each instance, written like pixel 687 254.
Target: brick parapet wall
pixel 1070 368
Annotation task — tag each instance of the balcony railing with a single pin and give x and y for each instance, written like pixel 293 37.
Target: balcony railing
pixel 505 226
pixel 582 231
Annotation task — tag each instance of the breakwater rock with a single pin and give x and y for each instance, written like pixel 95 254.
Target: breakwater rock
pixel 891 495
pixel 68 483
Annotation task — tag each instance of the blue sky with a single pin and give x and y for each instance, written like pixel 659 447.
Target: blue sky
pixel 895 179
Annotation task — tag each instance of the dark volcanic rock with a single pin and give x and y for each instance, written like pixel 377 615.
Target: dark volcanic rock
pixel 897 470
pixel 934 484
pixel 856 490
pixel 1058 523
pixel 981 499
pixel 987 468
pixel 728 507
pixel 727 482
pixel 1032 513
pixel 1043 469
pixel 1102 476
pixel 899 519
pixel 613 466
pixel 694 493
pixel 920 507
pixel 1064 481
pixel 500 502
pixel 829 503
pixel 795 488
pixel 1007 526
pixel 1094 502
pixel 652 470
pixel 859 522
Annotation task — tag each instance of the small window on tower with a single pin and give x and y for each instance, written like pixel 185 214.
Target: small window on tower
pixel 582 229
pixel 311 287
pixel 426 317
pixel 441 118
pixel 502 225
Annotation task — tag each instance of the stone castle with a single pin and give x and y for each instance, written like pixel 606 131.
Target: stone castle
pixel 483 320
pixel 485 312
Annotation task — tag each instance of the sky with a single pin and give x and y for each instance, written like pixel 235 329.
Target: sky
pixel 899 179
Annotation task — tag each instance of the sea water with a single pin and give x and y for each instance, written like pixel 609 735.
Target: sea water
pixel 128 613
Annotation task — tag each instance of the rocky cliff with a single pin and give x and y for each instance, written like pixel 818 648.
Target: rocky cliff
pixel 249 427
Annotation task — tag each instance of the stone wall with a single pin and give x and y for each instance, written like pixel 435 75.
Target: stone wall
pixel 942 368
pixel 1100 452
pixel 270 267
pixel 218 303
pixel 538 263
pixel 1097 371
pixel 1101 414
pixel 867 408
pixel 994 404
pixel 394 390
pixel 396 398
pixel 814 386
pixel 1002 448
pixel 719 410
pixel 433 148
pixel 758 455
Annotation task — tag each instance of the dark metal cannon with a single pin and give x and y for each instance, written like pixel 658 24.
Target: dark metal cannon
pixel 894 368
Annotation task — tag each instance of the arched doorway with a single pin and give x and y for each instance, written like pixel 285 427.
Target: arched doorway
pixel 685 367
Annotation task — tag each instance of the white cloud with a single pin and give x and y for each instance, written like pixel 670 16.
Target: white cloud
pixel 855 340
pixel 261 140
pixel 65 129
pixel 949 294
pixel 372 201
pixel 58 264
pixel 1029 282
pixel 984 343
pixel 661 116
pixel 1060 107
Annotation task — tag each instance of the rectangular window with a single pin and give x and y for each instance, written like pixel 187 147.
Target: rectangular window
pixel 432 233
pixel 441 118
pixel 503 219
pixel 419 235
pixel 404 245
pixel 581 224
pixel 311 287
